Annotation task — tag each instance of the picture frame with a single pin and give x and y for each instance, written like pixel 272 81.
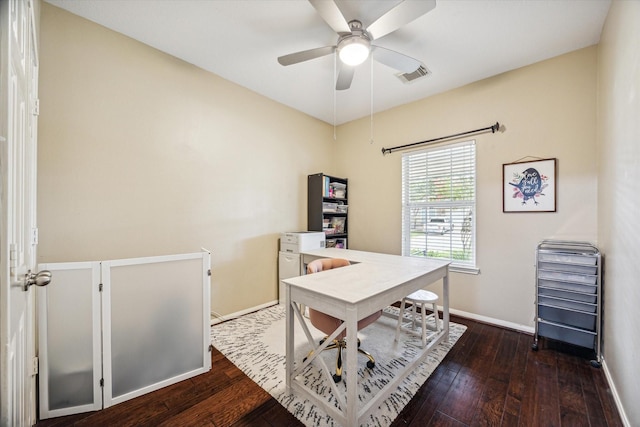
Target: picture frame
pixel 529 186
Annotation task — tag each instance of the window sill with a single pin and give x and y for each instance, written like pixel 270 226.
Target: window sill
pixel 463 269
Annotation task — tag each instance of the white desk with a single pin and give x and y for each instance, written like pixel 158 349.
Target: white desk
pixel 351 293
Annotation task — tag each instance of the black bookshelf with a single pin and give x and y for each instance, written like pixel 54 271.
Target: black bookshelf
pixel 327 208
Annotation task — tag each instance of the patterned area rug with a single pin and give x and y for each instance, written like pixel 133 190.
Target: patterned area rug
pixel 255 343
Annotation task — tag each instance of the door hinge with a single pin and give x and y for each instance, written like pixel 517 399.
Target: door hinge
pixel 36 107
pixel 210 348
pixel 101 382
pixel 34 236
pixel 209 272
pixel 100 287
pixel 34 366
pixel 13 259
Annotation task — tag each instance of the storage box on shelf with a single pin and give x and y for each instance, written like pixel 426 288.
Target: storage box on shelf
pixel 568 294
pixel 336 243
pixel 327 208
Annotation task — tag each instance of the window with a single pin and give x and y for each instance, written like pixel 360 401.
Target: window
pixel 439 204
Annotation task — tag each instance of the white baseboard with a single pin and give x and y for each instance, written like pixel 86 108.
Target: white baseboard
pixel 616 396
pixel 493 321
pixel 217 318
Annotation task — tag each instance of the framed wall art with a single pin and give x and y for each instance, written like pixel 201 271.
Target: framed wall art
pixel 529 186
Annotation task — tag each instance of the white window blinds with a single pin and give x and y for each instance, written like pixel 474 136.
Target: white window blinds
pixel 439 203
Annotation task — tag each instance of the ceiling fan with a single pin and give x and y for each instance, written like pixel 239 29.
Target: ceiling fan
pixel 354 41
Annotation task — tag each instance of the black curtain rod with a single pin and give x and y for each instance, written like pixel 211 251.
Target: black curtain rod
pixel 492 128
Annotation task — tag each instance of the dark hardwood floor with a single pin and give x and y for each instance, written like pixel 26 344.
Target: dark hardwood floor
pixel 491 377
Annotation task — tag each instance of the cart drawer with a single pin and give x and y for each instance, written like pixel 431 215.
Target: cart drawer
pixel 567 258
pixel 568 286
pixel 568 277
pixel 567 334
pixel 571 268
pixel 590 297
pixel 567 303
pixel 568 317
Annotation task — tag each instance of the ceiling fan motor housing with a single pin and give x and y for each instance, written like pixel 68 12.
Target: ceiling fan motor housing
pixel 354 48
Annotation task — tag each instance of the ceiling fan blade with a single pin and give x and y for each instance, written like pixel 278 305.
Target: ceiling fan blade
pixel 400 15
pixel 331 14
pixel 305 55
pixel 345 76
pixel 395 60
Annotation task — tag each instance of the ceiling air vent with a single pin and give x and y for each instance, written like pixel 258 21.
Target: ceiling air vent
pixel 421 72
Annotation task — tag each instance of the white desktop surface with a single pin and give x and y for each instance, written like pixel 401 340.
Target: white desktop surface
pixel 355 256
pixel 371 283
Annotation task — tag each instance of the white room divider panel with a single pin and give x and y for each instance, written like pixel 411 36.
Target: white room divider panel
pixel 133 326
pixel 69 340
pixel 156 323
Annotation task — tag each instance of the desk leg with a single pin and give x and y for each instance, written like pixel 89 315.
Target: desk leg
pixel 445 306
pixel 289 339
pixel 352 367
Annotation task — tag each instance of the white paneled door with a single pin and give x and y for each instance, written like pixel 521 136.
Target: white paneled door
pixel 18 232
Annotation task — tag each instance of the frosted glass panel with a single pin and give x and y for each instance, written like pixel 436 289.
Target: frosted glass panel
pixel 156 322
pixel 68 339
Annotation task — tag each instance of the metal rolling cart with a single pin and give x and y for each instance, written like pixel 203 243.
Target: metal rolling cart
pixel 569 294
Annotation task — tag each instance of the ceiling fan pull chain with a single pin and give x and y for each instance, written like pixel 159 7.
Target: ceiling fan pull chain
pixel 335 66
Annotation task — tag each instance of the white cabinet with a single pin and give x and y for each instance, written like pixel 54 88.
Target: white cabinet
pixel 289 260
pixel 568 294
pixel 288 267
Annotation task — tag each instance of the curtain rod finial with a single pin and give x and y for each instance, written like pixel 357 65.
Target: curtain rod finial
pixel 498 128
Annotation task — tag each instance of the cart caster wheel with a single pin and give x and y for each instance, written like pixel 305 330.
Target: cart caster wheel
pixel 337 378
pixel 534 347
pixel 596 364
pixel 371 364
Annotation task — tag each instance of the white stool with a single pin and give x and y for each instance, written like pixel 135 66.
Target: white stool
pixel 419 298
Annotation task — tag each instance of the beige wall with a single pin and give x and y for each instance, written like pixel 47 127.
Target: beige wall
pixel 549 110
pixel 619 199
pixel 142 154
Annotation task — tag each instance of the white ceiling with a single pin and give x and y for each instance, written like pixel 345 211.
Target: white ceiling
pixel 460 41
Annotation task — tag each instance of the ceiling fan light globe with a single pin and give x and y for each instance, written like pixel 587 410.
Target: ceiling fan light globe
pixel 354 51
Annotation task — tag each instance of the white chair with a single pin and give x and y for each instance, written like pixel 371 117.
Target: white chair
pixel 419 298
